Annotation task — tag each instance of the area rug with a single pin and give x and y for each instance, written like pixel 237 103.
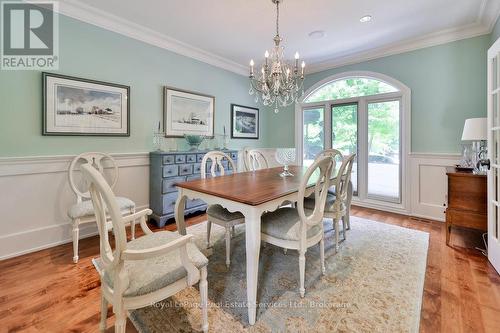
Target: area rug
pixel 373 284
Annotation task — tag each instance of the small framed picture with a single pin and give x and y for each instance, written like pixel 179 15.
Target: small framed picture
pixel 187 112
pixel 244 122
pixel 75 106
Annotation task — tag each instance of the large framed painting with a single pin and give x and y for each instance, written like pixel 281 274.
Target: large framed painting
pixel 244 122
pixel 76 106
pixel 187 112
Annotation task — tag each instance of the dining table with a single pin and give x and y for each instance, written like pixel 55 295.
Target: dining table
pixel 252 193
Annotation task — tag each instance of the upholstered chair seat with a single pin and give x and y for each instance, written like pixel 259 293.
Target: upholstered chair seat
pixel 292 228
pixel 137 273
pixel 85 208
pixel 284 224
pixel 222 213
pixel 216 213
pixel 149 275
pixel 338 200
pixel 82 211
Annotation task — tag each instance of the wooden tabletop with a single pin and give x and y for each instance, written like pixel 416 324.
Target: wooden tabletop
pixel 252 188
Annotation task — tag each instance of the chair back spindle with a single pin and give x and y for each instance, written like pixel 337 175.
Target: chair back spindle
pixel 104 201
pixel 216 158
pixel 321 169
pixel 256 160
pixel 100 161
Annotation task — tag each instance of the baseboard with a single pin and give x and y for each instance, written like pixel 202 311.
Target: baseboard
pixel 15 244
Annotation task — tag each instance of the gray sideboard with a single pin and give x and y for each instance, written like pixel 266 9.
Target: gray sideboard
pixel 168 168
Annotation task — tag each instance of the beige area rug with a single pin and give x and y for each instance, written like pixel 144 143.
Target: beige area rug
pixel 373 284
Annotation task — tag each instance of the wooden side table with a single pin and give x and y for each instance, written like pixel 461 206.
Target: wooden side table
pixel 467 201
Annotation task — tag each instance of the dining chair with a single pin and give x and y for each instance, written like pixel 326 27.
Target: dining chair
pixel 216 213
pixel 143 271
pixel 292 228
pixel 256 160
pixel 82 211
pixel 336 204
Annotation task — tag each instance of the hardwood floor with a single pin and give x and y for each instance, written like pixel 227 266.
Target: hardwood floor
pixel 46 292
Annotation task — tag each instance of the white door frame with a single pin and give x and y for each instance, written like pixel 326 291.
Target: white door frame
pixel 494 156
pixel 404 94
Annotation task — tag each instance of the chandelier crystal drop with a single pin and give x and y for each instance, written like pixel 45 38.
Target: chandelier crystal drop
pixel 279 82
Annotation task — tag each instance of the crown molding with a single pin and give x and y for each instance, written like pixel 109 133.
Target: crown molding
pixel 91 15
pixel 433 39
pixel 488 13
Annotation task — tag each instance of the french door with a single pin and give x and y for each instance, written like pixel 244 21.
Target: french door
pixel 494 155
pixel 368 126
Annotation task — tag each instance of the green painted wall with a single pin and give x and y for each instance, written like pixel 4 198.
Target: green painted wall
pixel 448 84
pixel 91 52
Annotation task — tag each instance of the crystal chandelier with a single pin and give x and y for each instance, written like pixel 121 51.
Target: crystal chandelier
pixel 279 83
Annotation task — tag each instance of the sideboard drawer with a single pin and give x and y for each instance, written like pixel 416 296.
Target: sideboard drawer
pixel 180 158
pixel 191 158
pixel 169 202
pixel 169 184
pixel 185 169
pixel 197 168
pixel 199 157
pixel 169 159
pixel 170 171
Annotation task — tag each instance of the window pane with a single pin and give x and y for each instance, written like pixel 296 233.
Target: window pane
pixel 350 87
pixel 345 134
pixel 383 150
pixel 313 134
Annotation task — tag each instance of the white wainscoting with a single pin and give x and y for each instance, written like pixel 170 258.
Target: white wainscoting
pixel 36 195
pixel 429 184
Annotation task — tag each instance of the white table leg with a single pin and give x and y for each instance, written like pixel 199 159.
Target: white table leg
pixel 252 235
pixel 179 212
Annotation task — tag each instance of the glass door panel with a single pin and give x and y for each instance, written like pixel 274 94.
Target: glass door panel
pixel 314 134
pixel 345 134
pixel 384 172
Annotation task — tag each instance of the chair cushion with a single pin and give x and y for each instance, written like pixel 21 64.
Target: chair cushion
pixel 223 214
pixel 149 275
pixel 284 223
pixel 85 208
pixel 310 202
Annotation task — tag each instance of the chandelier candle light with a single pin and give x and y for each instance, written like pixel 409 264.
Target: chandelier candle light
pixel 280 83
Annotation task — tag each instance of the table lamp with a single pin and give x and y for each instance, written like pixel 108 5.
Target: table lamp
pixel 475 131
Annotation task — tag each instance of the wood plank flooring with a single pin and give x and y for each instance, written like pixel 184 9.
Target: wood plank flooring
pixel 45 292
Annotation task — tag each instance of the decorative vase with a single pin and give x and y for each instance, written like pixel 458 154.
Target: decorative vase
pixel 285 156
pixel 194 141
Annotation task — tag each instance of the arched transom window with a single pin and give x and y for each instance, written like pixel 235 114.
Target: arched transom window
pixel 360 114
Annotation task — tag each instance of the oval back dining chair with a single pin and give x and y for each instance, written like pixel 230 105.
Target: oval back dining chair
pixel 143 271
pixel 82 211
pixel 336 204
pixel 256 160
pixel 292 228
pixel 216 213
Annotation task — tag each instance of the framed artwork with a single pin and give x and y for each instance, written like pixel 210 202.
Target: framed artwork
pixel 244 122
pixel 187 112
pixel 75 106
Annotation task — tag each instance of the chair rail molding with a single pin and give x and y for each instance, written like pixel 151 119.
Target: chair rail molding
pixel 36 196
pixel 429 185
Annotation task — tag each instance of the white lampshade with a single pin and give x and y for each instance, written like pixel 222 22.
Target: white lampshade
pixel 475 129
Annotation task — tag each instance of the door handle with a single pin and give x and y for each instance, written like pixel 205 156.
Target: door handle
pixel 484 162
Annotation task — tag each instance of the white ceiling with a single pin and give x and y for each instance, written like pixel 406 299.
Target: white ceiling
pixel 227 33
